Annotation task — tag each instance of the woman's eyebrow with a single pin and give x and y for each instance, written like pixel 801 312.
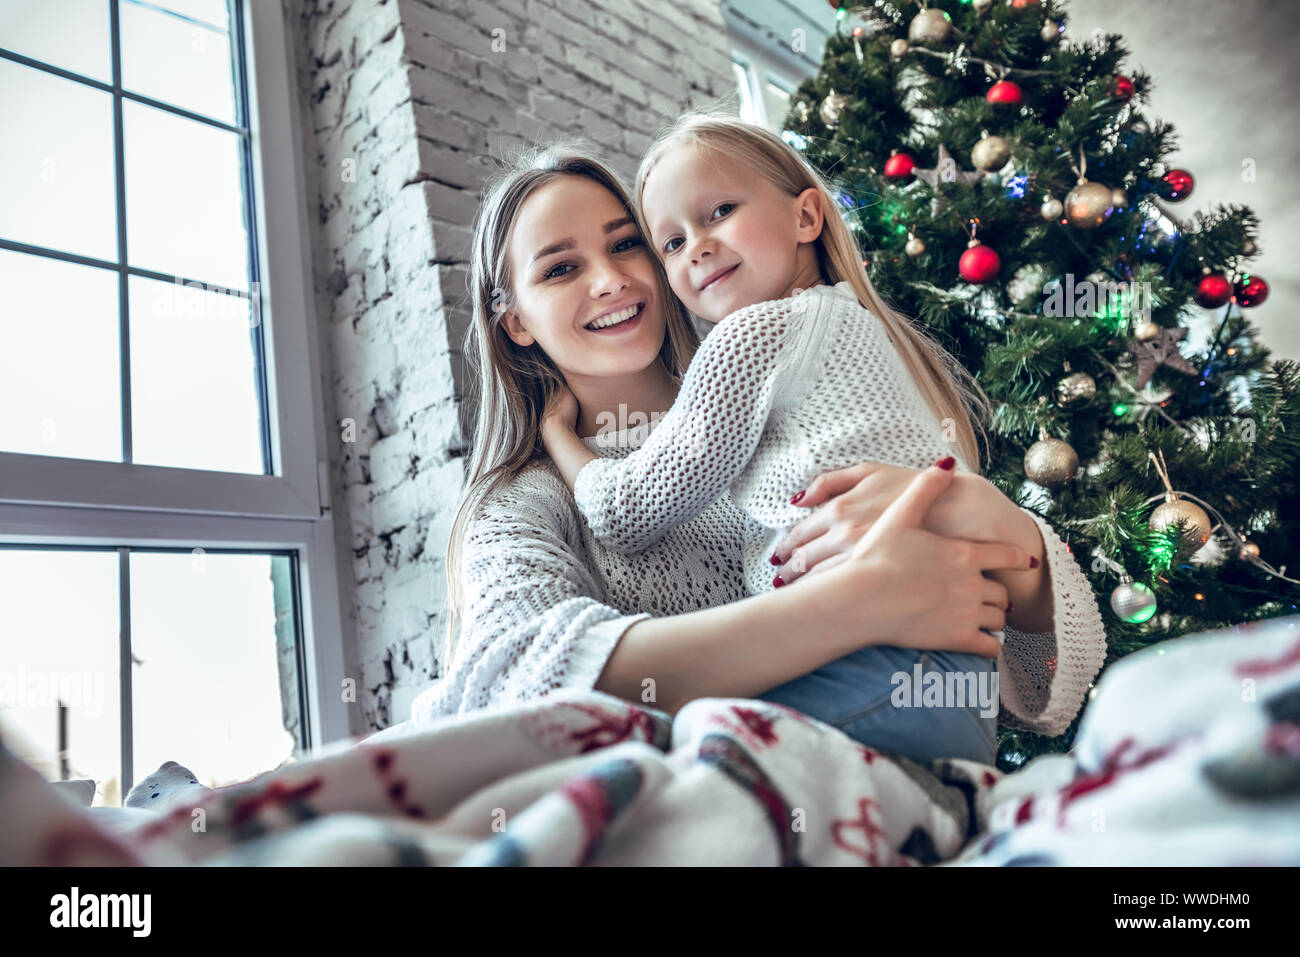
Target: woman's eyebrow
pixel 564 244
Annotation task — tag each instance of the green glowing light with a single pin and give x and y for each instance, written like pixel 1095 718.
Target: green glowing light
pixel 1120 408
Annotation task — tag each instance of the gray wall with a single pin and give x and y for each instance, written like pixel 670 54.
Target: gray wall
pixel 405 102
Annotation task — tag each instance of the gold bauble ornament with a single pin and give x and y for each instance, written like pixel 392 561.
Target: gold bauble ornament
pixel 1248 551
pixel 1075 389
pixel 990 153
pixel 930 26
pixel 1118 198
pixel 1175 511
pixel 1051 31
pixel 1088 205
pixel 832 107
pixel 1146 331
pixel 914 247
pixel 898 48
pixel 1051 209
pixel 1051 463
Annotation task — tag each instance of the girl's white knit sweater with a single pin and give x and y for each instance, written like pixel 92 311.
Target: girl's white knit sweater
pixel 546 603
pixel 777 394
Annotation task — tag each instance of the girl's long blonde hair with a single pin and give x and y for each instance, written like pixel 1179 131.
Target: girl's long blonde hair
pixel 513 384
pixel 949 389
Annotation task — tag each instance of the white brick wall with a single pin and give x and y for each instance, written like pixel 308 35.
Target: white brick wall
pixel 405 104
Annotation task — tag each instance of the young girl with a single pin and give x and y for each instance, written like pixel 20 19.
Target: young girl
pixel 806 371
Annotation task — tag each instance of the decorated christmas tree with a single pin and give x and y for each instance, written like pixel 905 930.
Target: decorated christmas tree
pixel 1009 193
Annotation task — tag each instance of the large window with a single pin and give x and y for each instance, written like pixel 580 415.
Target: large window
pixel 161 443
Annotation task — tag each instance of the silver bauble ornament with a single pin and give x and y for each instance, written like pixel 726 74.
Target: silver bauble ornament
pixel 1051 463
pixel 1132 601
pixel 990 153
pixel 930 26
pixel 1196 524
pixel 1088 205
pixel 832 107
pixel 982 6
pixel 1051 31
pixel 898 48
pixel 1051 209
pixel 914 247
pixel 1075 389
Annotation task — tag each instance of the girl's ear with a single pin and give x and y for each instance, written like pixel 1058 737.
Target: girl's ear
pixel 808 207
pixel 515 330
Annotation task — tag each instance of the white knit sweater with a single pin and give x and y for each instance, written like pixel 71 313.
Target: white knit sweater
pixel 777 394
pixel 547 604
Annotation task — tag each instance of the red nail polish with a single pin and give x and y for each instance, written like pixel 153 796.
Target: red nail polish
pixel 797 495
pixel 1033 562
pixel 947 462
pixel 775 559
pixel 778 581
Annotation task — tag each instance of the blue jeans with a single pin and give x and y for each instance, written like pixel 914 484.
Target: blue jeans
pixel 854 694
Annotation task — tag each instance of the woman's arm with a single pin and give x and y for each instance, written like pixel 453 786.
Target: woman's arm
pixel 699 448
pixel 901 585
pixel 1055 637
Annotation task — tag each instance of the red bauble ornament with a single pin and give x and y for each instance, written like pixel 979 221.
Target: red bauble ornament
pixel 1005 93
pixel 1249 291
pixel 979 264
pixel 1123 88
pixel 1213 290
pixel 1023 4
pixel 1178 184
pixel 899 165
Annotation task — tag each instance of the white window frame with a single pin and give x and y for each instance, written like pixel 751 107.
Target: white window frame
pixel 45 499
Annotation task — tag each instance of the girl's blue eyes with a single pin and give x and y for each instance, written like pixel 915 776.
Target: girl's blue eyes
pixel 622 246
pixel 728 207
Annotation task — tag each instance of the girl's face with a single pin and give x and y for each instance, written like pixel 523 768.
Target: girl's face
pixel 585 285
pixel 728 238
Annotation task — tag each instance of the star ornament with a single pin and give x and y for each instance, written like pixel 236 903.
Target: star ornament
pixel 947 171
pixel 1160 351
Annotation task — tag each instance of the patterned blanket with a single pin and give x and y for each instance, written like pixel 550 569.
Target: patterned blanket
pixel 1190 753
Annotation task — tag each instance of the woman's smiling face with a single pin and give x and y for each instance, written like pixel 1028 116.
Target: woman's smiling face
pixel 585 286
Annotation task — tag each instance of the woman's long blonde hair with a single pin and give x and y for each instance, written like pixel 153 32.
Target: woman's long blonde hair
pixel 949 389
pixel 513 384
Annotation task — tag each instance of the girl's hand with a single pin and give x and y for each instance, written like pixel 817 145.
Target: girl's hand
pixel 561 411
pixel 850 501
pixel 919 589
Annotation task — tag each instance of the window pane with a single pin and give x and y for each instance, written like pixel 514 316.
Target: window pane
pixel 59 643
pixel 184 199
pixel 60 382
pixel 72 34
pixel 742 89
pixel 209 11
pixel 177 61
pixel 56 163
pixel 212 636
pixel 777 102
pixel 194 397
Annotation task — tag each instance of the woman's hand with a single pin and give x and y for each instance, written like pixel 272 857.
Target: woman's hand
pixel 559 435
pixel 919 589
pixel 850 501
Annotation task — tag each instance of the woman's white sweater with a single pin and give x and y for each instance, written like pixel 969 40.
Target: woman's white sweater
pixel 546 604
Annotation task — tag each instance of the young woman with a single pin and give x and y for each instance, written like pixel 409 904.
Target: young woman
pixel 566 293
